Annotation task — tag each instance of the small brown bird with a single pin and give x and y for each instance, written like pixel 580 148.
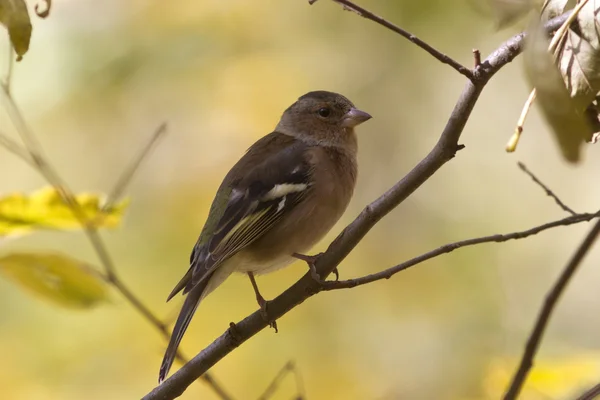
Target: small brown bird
pixel 279 200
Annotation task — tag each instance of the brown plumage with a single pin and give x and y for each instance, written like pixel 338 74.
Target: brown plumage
pixel 280 198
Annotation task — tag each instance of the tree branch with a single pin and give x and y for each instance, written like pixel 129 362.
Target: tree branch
pixel 11 145
pixel 32 153
pixel 549 192
pixel 552 298
pixel 306 287
pixel 450 247
pixel 348 5
pixel 289 367
pixel 590 394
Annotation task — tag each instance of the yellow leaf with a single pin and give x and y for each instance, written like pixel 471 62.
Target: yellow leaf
pixel 14 15
pixel 44 209
pixel 57 278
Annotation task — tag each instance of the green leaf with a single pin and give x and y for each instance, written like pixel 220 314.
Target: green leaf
pixel 44 209
pixel 14 16
pixel 56 278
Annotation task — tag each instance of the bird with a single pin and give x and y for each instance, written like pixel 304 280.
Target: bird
pixel 281 198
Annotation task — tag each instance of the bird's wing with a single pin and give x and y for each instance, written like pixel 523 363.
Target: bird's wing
pixel 249 207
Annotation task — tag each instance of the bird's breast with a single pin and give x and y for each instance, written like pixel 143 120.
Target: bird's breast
pixel 334 177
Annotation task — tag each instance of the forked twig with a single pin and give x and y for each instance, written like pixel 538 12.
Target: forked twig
pixel 549 192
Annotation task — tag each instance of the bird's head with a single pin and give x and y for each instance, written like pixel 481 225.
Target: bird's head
pixel 322 117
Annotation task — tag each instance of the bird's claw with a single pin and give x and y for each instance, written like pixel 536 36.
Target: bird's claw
pixel 310 260
pixel 265 315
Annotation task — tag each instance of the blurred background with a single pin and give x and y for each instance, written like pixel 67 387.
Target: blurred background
pixel 101 76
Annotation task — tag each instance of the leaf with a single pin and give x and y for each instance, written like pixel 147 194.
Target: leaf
pixel 554 8
pixel 57 278
pixel 14 15
pixel 507 12
pixel 562 112
pixel 45 209
pixel 579 57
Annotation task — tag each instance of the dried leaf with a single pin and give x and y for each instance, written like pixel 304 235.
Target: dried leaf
pixel 15 17
pixel 44 209
pixel 57 278
pixel 553 8
pixel 579 57
pixel 566 119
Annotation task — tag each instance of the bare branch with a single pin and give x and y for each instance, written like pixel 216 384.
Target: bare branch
pixel 476 58
pixel 289 367
pixel 450 247
pixel 35 157
pixel 15 148
pixel 128 173
pixel 9 68
pixel 443 151
pixel 549 192
pixel 348 5
pixel 535 338
pixel 590 394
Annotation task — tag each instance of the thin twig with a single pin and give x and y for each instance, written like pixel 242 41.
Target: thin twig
pixel 546 189
pixel 42 165
pixel 425 46
pixel 535 338
pixel 443 151
pixel 450 247
pixel 289 367
pixel 9 68
pixel 128 173
pixel 591 394
pixel 15 148
pixel 511 146
pixel 476 58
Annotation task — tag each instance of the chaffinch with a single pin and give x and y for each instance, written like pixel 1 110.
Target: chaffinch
pixel 277 201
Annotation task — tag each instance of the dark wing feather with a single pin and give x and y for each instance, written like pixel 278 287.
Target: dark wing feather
pixel 255 206
pixel 271 178
pixel 239 213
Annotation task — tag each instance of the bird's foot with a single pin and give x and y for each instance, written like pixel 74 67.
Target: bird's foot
pixel 311 260
pixel 264 313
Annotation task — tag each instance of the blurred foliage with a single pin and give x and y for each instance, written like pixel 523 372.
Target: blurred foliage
pixel 563 378
pixel 15 17
pixel 100 76
pixel 45 209
pixel 57 278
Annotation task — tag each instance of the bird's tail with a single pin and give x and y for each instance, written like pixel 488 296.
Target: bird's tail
pixel 183 320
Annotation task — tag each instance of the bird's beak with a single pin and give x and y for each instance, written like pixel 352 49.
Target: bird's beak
pixel 354 117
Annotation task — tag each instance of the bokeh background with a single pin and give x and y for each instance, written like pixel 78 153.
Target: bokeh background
pixel 100 76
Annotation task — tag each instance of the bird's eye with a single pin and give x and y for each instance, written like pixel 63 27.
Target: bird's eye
pixel 324 112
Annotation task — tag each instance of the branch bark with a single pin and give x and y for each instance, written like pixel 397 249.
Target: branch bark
pixel 441 57
pixel 590 394
pixel 450 247
pixel 32 153
pixel 535 338
pixel 443 151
